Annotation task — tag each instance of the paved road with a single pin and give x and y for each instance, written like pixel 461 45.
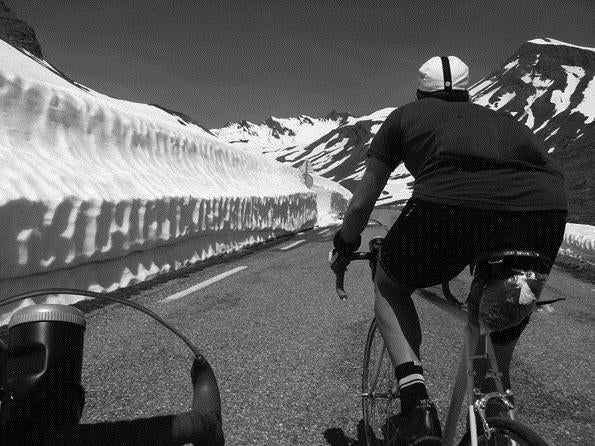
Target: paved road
pixel 288 353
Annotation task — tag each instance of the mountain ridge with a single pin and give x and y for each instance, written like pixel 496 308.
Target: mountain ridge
pixel 274 133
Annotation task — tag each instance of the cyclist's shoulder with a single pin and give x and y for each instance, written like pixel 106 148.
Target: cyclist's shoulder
pixel 439 112
pixel 439 109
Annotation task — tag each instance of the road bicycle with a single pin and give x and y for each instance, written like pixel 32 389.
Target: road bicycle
pixel 41 399
pixel 485 426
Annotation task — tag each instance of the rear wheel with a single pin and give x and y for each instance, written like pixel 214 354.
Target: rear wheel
pixel 380 396
pixel 505 432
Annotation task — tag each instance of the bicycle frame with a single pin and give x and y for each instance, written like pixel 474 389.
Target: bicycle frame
pixel 464 381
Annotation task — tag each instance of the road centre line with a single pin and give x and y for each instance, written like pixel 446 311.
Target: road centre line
pixel 202 285
pixel 292 245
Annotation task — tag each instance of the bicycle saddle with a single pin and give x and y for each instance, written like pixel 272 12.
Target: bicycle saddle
pixel 515 258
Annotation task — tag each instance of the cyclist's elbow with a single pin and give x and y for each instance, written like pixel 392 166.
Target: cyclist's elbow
pixel 361 205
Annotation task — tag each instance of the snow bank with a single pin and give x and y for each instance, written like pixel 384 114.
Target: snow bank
pixel 99 193
pixel 578 246
pixel 331 200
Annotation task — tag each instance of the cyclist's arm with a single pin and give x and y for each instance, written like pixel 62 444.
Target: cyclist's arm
pixel 362 203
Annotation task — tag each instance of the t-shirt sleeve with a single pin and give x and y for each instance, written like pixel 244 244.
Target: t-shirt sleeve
pixel 386 144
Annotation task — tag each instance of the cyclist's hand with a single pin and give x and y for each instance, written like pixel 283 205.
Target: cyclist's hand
pixel 338 262
pixel 339 257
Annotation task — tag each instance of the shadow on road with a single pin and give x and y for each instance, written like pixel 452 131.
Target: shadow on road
pixel 335 436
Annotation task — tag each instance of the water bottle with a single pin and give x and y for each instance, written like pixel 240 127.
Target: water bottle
pixel 41 376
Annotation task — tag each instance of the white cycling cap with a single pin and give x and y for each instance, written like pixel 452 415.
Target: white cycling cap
pixel 443 73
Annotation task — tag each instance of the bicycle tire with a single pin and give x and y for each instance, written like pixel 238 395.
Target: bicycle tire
pixel 504 432
pixel 380 398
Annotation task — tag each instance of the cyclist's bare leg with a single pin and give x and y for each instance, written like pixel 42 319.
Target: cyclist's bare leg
pixel 504 357
pixel 397 319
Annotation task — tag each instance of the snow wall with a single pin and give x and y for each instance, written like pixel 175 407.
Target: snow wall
pixel 578 247
pixel 98 193
pixel 331 200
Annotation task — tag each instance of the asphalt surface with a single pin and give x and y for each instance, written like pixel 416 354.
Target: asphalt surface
pixel 287 352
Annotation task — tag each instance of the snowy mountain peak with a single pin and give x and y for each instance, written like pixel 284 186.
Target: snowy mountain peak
pixel 550 41
pixel 277 127
pixel 339 116
pixel 549 86
pixel 305 119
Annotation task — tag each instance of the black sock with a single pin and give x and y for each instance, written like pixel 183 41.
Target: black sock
pixel 412 386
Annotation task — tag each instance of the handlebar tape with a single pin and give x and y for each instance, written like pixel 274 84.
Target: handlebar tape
pixel 201 426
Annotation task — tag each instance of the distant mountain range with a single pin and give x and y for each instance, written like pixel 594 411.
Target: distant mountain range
pixel 546 84
pixel 274 133
pixel 335 145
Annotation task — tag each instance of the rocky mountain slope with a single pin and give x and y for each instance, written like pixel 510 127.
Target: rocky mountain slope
pixel 546 84
pixel 16 32
pixel 550 87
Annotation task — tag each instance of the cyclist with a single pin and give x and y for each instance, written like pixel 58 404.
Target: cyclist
pixel 482 182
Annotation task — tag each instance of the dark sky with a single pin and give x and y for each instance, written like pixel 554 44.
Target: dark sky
pixel 220 61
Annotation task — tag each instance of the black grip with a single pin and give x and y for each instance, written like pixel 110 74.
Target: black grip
pixel 206 399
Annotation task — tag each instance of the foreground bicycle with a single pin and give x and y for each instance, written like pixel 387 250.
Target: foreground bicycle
pixel 42 399
pixel 380 396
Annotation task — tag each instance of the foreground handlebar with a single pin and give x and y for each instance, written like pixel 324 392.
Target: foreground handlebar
pixel 201 426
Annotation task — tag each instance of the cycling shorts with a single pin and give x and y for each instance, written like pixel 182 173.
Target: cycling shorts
pixel 431 243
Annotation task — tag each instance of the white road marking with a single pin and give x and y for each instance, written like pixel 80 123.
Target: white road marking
pixel 324 231
pixel 292 245
pixel 202 285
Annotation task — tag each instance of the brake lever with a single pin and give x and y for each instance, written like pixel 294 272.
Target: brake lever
pixel 339 277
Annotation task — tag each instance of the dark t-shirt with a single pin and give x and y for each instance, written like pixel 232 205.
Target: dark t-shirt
pixel 467 155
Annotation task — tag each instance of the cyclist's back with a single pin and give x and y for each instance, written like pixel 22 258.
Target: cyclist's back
pixel 463 154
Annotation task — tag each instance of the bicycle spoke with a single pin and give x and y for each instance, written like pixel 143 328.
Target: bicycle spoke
pixel 379 389
pixel 378 366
